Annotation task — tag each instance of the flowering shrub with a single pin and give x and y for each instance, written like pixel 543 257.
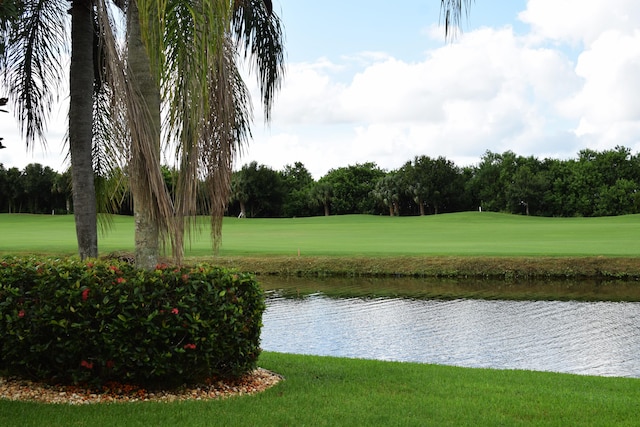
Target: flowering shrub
pixel 99 321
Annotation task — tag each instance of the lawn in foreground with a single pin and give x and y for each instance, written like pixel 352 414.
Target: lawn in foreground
pixel 460 234
pixel 325 391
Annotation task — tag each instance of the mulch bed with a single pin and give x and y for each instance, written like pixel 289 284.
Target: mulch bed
pixel 24 390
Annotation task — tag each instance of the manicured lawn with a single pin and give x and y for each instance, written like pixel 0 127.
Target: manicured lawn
pixel 461 234
pixel 328 391
pixel 322 391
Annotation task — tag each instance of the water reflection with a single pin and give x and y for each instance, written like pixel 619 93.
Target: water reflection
pixel 596 338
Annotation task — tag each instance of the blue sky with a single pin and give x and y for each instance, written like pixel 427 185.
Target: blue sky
pixel 376 81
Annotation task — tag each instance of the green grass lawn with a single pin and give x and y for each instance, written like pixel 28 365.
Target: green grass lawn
pixel 323 391
pixel 460 234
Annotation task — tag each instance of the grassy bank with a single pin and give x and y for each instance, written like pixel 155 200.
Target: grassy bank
pixel 505 267
pixel 471 244
pixel 322 391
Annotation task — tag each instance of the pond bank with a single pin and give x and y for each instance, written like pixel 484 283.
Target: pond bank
pixel 496 268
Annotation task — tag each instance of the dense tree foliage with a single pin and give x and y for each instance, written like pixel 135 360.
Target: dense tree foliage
pixel 256 191
pixel 35 189
pixel 596 183
pixel 352 186
pixel 297 184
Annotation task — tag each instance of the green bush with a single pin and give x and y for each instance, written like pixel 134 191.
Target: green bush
pixel 99 321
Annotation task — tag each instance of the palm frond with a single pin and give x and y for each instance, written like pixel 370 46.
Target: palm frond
pixel 227 129
pixel 32 67
pixel 110 136
pixel 451 12
pixel 258 31
pixel 207 111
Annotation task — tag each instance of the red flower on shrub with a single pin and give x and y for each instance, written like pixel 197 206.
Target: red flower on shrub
pixel 185 277
pixel 161 266
pixel 21 313
pixel 90 265
pixel 175 311
pixel 85 364
pixel 190 346
pixel 121 280
pixel 85 294
pixel 110 364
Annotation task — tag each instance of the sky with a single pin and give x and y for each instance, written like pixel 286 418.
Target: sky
pixel 375 81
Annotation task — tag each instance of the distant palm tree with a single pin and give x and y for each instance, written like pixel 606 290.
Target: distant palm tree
pixel 322 193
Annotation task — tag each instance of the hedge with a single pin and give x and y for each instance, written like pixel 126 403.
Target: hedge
pixel 69 321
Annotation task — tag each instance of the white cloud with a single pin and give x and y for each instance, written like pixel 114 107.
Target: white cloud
pixel 490 90
pixel 579 21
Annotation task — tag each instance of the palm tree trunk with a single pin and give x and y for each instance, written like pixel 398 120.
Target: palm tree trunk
pixel 80 128
pixel 147 233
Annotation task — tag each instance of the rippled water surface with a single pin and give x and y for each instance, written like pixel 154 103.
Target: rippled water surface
pixel 595 338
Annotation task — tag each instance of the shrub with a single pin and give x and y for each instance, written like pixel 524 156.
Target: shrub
pixel 99 321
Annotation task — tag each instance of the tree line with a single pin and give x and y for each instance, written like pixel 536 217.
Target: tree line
pixel 35 189
pixel 596 183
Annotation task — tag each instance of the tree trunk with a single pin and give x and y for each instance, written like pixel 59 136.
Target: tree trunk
pixel 421 207
pixel 147 233
pixel 326 208
pixel 81 128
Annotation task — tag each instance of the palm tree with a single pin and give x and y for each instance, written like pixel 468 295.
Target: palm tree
pixel 81 90
pixel 187 55
pixel 32 46
pixel 208 102
pixel 322 193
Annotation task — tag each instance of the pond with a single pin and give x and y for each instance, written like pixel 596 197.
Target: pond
pixel 388 320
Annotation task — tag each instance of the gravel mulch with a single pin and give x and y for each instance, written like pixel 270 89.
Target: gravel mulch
pixel 24 390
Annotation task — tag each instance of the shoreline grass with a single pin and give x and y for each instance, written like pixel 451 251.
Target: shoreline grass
pixel 469 267
pixel 326 391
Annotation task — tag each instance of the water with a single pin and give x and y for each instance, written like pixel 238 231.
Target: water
pixel 592 338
